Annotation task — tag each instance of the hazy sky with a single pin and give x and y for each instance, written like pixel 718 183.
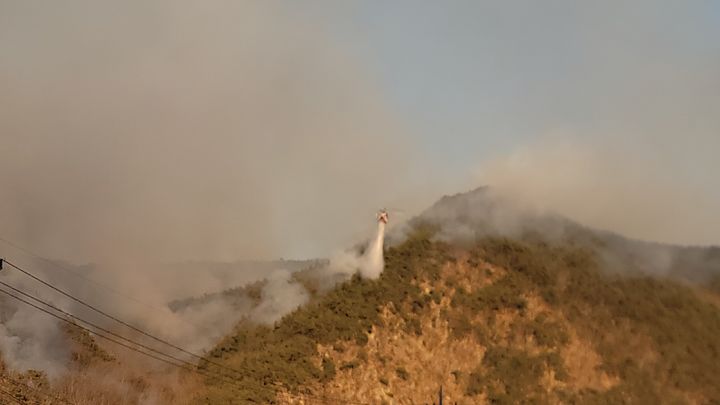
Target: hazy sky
pixel 226 129
pixel 623 95
pixel 478 78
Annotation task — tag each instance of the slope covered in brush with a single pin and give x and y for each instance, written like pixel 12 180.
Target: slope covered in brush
pixel 564 317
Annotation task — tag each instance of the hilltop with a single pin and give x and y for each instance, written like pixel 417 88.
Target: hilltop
pixel 494 302
pixel 496 309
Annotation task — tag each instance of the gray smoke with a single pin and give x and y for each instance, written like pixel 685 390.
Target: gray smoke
pixel 280 296
pixel 628 190
pixel 466 218
pixel 136 135
pixel 140 134
pixel 32 340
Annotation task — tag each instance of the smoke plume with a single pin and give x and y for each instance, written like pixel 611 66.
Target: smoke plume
pixel 280 296
pixel 137 135
pixel 466 218
pixel 622 190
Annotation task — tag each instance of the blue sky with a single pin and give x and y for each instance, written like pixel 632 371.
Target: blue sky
pixel 475 78
pixel 637 82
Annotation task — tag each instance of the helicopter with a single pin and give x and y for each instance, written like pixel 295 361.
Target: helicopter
pixel 383 216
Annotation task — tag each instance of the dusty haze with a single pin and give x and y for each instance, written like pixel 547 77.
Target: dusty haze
pixel 622 190
pixel 179 130
pixel 134 135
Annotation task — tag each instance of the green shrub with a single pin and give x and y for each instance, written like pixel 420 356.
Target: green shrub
pixel 546 332
pixel 504 293
pixel 349 365
pixel 285 352
pixel 328 370
pixel 510 376
pixel 608 311
pixel 683 329
pixel 402 373
pixel 459 324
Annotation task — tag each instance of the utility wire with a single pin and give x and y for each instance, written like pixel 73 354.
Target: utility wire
pixel 101 312
pixel 184 364
pixel 116 341
pixel 118 336
pixel 191 368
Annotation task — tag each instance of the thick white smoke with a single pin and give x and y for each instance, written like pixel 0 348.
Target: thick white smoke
pixel 625 190
pixel 32 340
pixel 138 135
pixel 280 296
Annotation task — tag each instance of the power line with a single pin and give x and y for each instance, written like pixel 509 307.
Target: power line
pixel 101 312
pixel 184 364
pixel 130 341
pixel 118 342
pixel 191 368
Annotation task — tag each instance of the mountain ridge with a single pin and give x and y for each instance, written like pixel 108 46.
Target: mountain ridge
pixel 542 319
pixel 494 304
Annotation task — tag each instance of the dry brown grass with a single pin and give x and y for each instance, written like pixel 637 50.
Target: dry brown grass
pixel 426 361
pixel 100 375
pixel 583 364
pixel 129 383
